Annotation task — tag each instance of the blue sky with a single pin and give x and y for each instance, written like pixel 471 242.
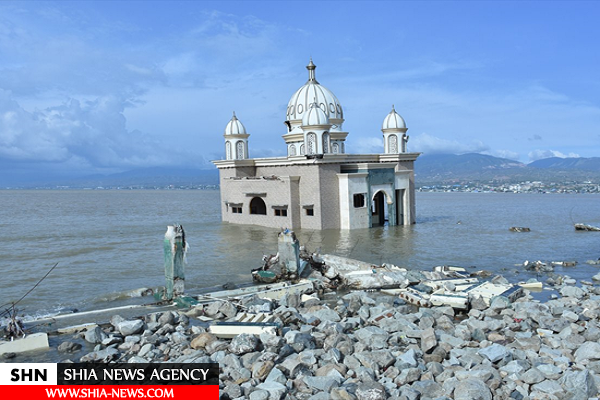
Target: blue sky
pixel 101 87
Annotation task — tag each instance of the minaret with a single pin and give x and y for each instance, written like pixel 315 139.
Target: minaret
pixel 394 133
pixel 236 140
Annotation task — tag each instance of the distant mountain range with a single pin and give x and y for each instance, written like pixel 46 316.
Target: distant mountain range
pixel 155 177
pixel 581 164
pixel 452 168
pixel 429 169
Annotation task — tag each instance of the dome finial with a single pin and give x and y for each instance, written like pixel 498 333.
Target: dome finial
pixel 311 71
pixel 234 117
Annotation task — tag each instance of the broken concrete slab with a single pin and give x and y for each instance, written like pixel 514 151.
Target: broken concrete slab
pixel 35 341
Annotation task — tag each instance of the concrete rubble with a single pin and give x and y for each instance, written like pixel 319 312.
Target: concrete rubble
pixel 35 341
pixel 372 345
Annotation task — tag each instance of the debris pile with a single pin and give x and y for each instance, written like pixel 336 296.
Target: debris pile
pixel 585 227
pixel 519 229
pixel 372 345
pixel 445 285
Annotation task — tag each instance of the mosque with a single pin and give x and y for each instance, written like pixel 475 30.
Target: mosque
pixel 318 185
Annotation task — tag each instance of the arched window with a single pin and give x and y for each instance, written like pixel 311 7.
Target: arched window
pixel 240 150
pixel 258 206
pixel 292 149
pixel 336 148
pixel 312 143
pixel 393 144
pixel 326 143
pixel 228 150
pixel 302 150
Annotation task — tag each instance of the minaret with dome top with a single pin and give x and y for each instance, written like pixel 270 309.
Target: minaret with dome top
pixel 317 185
pixel 394 133
pixel 236 140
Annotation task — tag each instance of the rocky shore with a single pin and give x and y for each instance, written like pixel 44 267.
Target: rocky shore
pixel 373 346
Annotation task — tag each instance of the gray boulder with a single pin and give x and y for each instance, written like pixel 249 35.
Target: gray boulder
pixel 548 387
pixel 321 383
pixel 550 371
pixel 261 369
pixel 95 335
pixel 408 358
pixel 495 352
pixel 260 395
pixel 572 291
pixel 275 389
pixel 579 384
pixel 533 376
pixel 588 351
pixel 69 347
pixel 472 389
pixel 370 391
pixel 276 376
pixel 383 358
pixel 133 327
pixel 428 388
pixel 374 337
pixel 323 314
pixel 428 340
pixel 243 343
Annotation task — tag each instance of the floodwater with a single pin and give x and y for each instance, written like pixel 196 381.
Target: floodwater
pixel 106 244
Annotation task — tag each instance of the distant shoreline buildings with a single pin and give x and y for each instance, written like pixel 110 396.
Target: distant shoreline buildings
pixel 318 185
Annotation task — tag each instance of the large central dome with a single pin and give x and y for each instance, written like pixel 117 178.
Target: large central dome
pixel 305 97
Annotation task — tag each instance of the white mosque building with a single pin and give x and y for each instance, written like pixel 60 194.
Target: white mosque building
pixel 318 185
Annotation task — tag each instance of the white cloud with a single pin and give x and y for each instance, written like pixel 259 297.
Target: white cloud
pixel 93 133
pixel 508 154
pixel 541 154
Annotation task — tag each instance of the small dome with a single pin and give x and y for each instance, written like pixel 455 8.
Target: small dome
pixel 235 127
pixel 315 116
pixel 312 92
pixel 393 121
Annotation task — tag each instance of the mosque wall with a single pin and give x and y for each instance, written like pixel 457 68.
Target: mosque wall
pixel 279 197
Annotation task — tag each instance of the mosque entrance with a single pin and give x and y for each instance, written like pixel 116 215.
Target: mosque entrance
pixel 258 206
pixel 379 214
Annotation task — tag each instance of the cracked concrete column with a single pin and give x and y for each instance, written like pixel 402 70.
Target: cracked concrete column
pixel 174 249
pixel 289 252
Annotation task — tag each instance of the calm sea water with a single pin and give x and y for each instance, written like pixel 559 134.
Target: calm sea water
pixel 109 243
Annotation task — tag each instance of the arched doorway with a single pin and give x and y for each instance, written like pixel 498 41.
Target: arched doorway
pixel 258 206
pixel 379 211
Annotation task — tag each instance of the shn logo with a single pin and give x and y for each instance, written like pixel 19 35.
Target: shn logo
pixel 28 375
